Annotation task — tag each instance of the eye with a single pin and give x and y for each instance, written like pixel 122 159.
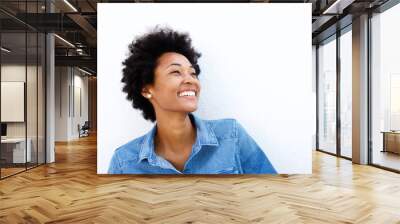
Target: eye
pixel 175 73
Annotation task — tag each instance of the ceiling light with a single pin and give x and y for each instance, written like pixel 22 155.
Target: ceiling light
pixel 5 50
pixel 86 72
pixel 79 51
pixel 70 5
pixel 64 40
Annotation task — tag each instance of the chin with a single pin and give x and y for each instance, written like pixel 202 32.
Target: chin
pixel 189 109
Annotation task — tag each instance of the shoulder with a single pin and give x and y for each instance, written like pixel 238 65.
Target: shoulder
pixel 224 128
pixel 127 153
pixel 129 150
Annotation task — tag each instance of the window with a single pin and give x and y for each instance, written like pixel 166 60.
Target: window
pixel 346 93
pixel 327 96
pixel 385 89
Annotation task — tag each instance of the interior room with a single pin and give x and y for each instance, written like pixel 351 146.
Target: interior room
pixel 22 101
pixel 48 104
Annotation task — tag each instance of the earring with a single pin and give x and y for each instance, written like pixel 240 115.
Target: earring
pixel 149 96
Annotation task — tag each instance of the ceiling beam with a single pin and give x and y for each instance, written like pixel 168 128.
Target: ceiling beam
pixel 337 7
pixel 84 61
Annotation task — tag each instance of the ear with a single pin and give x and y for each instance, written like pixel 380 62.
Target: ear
pixel 146 92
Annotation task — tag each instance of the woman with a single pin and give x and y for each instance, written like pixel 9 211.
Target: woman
pixel 160 77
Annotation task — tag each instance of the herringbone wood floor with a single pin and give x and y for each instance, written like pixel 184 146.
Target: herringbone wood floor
pixel 70 191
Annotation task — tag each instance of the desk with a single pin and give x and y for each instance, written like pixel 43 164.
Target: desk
pixel 16 147
pixel 391 141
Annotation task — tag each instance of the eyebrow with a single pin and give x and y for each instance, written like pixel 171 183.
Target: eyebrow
pixel 177 64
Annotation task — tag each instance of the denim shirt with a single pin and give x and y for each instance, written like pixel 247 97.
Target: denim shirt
pixel 221 147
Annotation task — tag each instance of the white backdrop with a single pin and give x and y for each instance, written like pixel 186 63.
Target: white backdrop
pixel 256 68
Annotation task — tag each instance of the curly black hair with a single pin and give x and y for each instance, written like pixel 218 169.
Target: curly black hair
pixel 139 66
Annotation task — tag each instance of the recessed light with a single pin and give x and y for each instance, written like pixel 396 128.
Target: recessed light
pixel 64 40
pixel 70 5
pixel 86 72
pixel 5 49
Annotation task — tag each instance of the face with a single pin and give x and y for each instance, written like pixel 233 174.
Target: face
pixel 176 87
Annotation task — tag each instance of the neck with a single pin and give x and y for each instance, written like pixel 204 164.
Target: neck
pixel 174 132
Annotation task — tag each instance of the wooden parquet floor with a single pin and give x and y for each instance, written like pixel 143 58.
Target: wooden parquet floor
pixel 70 191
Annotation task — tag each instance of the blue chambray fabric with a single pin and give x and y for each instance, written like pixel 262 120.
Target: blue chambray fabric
pixel 221 147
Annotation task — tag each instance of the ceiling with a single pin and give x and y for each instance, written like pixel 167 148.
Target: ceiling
pixel 76 22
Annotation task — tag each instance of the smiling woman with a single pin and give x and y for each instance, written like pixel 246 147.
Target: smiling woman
pixel 160 77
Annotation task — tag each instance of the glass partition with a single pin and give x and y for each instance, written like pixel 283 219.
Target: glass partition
pixel 41 91
pixel 13 110
pixel 22 88
pixel 327 96
pixel 31 100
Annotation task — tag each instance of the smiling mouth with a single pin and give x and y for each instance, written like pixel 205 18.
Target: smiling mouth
pixel 187 93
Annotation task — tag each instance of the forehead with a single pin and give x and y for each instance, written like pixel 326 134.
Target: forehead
pixel 169 58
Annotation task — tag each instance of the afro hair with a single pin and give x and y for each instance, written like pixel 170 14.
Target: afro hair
pixel 139 66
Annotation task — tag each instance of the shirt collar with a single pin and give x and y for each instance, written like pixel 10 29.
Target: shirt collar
pixel 204 136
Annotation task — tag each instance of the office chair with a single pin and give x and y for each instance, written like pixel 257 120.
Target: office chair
pixel 84 130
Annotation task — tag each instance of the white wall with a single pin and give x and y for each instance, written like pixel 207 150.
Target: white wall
pixel 61 103
pixel 259 74
pixel 68 83
pixel 80 88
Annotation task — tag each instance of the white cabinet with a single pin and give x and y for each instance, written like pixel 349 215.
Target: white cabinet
pixel 12 101
pixel 18 145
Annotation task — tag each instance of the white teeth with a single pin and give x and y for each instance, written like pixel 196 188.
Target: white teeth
pixel 187 93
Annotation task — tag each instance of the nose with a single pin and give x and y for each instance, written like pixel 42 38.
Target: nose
pixel 188 78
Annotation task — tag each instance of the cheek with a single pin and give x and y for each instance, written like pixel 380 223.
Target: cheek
pixel 167 91
pixel 199 85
